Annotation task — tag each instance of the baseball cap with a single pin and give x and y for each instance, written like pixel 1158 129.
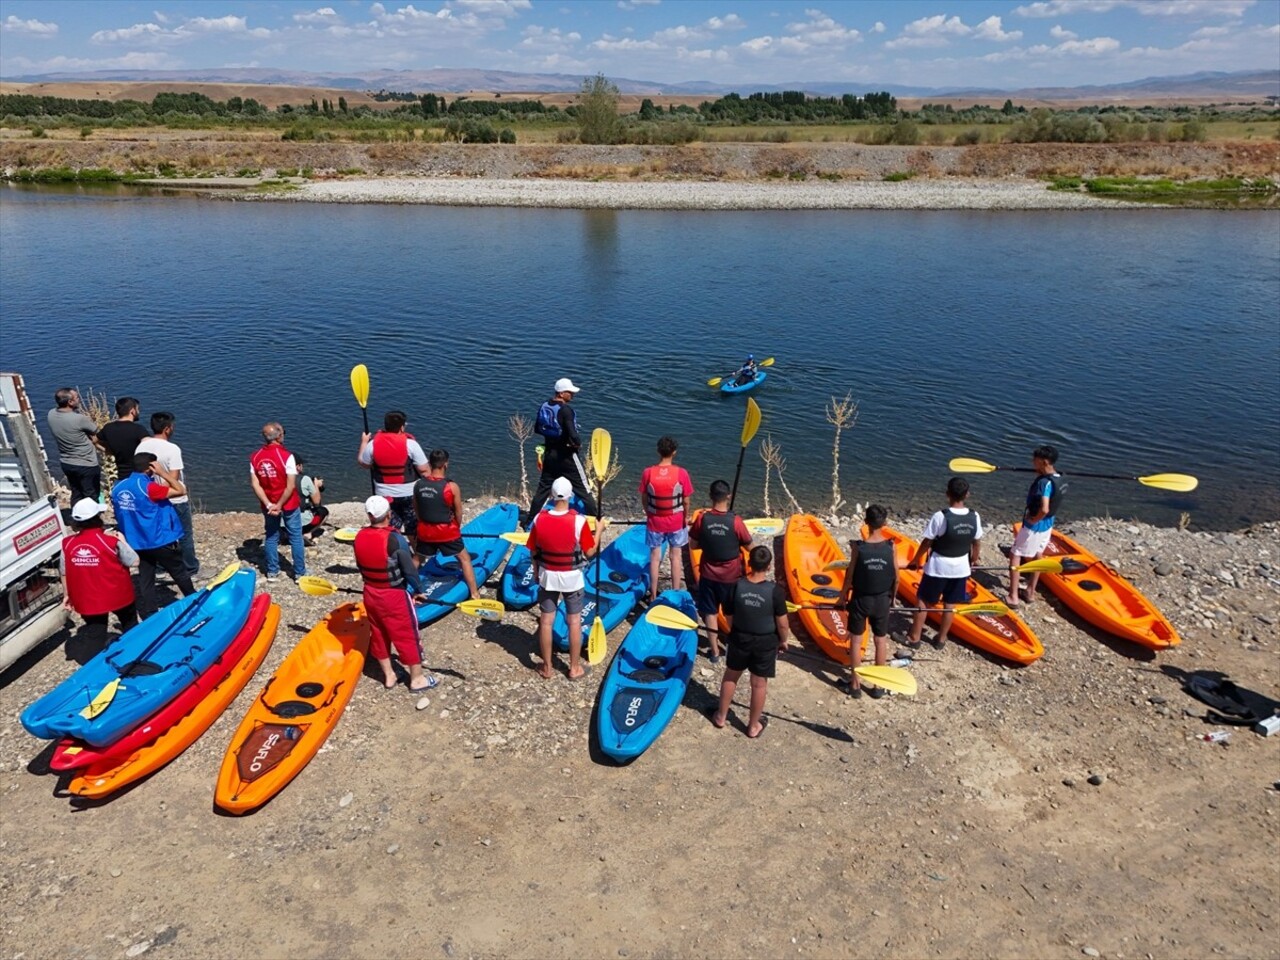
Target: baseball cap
pixel 86 509
pixel 563 384
pixel 561 488
pixel 377 507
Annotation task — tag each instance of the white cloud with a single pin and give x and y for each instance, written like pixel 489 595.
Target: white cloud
pixel 227 24
pixel 992 29
pixel 325 15
pixel 758 45
pixel 1088 48
pixel 821 29
pixel 729 22
pixel 1151 8
pixel 501 8
pixel 1204 32
pixel 632 4
pixel 32 28
pixel 159 16
pixel 153 33
pixel 550 39
pixel 902 43
pixel 936 25
pixel 125 34
pixel 134 60
pixel 607 42
pixel 1058 33
pixel 878 27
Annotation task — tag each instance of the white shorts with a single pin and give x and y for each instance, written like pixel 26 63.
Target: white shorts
pixel 1031 543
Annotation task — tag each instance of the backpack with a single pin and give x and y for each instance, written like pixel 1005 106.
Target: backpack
pixel 548 421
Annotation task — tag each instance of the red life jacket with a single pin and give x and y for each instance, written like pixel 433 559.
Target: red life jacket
pixel 269 464
pixel 664 496
pixel 391 460
pixel 96 581
pixel 375 556
pixel 558 541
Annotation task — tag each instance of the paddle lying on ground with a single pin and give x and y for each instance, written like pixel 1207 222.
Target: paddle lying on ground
pixel 520 538
pixel 750 424
pixel 108 692
pixel 716 381
pixel 1178 482
pixel 995 608
pixel 360 387
pixel 484 608
pixel 1043 565
pixel 894 679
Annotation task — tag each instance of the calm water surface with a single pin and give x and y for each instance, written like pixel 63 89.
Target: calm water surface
pixel 1136 341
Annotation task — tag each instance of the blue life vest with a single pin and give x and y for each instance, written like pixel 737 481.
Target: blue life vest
pixel 145 523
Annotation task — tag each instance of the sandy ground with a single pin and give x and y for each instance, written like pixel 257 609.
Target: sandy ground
pixel 959 823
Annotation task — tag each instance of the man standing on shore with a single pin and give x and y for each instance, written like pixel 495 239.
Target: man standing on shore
pixel 77 439
pixel 121 436
pixel 273 474
pixel 397 460
pixel 952 540
pixel 870 581
pixel 437 502
pixel 1043 498
pixel 169 454
pixel 561 543
pixel 558 425
pixel 150 525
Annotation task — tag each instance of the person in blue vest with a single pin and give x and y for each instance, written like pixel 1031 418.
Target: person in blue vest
pixel 152 527
pixel 558 425
pixel 1032 539
pixel 747 372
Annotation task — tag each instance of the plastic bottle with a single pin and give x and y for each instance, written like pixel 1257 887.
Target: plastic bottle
pixel 900 662
pixel 1217 736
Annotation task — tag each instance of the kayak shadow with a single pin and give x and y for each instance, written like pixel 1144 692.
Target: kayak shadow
pixel 39 764
pixel 517 642
pixel 1125 648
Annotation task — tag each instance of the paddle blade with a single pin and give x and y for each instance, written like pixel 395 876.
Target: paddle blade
pixel 102 700
pixel 664 616
pixel 519 538
pixel 484 608
pixel 767 362
pixel 969 465
pixel 225 574
pixel 601 449
pixel 715 381
pixel 1044 565
pixel 596 645
pixel 360 384
pixel 893 679
pixel 995 608
pixel 765 526
pixel 1179 482
pixel 837 565
pixel 316 586
pixel 346 534
pixel 751 422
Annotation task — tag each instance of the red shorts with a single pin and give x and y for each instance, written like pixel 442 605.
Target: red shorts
pixel 393 622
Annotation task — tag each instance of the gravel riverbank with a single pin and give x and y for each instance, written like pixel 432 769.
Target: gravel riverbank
pixel 1060 809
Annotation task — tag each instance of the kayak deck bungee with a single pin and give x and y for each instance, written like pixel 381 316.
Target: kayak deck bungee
pixel 728 386
pixel 1100 595
pixel 646 681
pixel 146 668
pixel 624 579
pixel 295 713
pixel 1007 637
pixel 807 548
pixel 442 576
pixel 71 753
pixel 113 773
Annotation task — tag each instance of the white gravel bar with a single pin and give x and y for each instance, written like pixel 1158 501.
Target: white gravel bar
pixel 915 194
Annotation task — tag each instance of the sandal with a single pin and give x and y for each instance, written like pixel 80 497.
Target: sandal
pixel 432 682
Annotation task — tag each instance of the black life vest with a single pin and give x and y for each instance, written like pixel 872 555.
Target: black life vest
pixel 428 500
pixel 1036 493
pixel 375 551
pixel 873 571
pixel 753 608
pixel 957 539
pixel 718 536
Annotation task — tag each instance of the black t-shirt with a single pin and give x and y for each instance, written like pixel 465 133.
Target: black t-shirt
pixel 121 438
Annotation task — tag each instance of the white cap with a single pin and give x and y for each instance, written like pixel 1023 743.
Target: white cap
pixel 86 509
pixel 561 489
pixel 563 384
pixel 377 507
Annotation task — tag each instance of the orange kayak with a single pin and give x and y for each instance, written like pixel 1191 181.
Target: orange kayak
pixel 1006 637
pixel 807 547
pixel 1104 598
pixel 296 711
pixel 106 776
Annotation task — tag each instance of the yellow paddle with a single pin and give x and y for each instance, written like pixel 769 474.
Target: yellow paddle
pixel 1043 565
pixel 893 679
pixel 716 381
pixel 1178 482
pixel 750 424
pixel 348 535
pixel 484 608
pixel 360 387
pixel 994 607
pixel 601 450
pixel 660 615
pixel 596 642
pixel 765 526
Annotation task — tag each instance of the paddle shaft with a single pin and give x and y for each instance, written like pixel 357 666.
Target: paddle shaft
pixel 1073 473
pixel 737 474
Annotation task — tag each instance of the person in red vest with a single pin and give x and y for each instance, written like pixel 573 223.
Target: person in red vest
pixel 397 461
pixel 273 474
pixel 664 490
pixel 561 542
pixel 387 567
pixel 95 571
pixel 437 501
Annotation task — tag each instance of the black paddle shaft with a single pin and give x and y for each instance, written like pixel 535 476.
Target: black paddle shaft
pixel 737 474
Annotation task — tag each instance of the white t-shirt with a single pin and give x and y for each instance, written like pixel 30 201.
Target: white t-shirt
pixel 948 567
pixel 170 456
pixel 565 581
pixel 395 489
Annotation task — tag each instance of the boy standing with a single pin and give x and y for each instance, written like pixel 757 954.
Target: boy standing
pixel 721 535
pixel 663 489
pixel 870 582
pixel 1036 531
pixel 437 502
pixel 951 539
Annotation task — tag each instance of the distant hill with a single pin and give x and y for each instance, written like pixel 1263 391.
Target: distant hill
pixel 1247 84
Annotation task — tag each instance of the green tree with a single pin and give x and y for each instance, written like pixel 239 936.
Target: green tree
pixel 598 111
pixel 1007 109
pixel 342 104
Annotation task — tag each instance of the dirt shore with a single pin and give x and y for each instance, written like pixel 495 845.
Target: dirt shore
pixel 959 823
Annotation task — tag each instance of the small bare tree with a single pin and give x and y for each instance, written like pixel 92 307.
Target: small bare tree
pixel 779 463
pixel 843 415
pixel 94 405
pixel 768 452
pixel 610 474
pixel 520 429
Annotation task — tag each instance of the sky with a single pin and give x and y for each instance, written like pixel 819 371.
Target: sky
pixel 947 43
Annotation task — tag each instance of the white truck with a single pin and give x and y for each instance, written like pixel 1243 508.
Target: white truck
pixel 31 530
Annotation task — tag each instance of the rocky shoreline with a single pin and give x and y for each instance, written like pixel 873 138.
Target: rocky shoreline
pixel 1063 808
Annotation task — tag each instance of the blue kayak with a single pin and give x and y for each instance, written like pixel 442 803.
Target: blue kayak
pixel 519 588
pixel 624 579
pixel 154 662
pixel 442 576
pixel 646 681
pixel 731 386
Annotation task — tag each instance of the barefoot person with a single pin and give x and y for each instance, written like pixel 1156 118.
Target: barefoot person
pixel 758 632
pixel 721 535
pixel 561 542
pixel 387 566
pixel 951 540
pixel 664 487
pixel 437 502
pixel 870 581
pixel 1043 498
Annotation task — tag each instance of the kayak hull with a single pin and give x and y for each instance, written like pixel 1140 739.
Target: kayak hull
pixel 807 548
pixel 294 714
pixel 728 386
pixel 646 682
pixel 442 576
pixel 623 580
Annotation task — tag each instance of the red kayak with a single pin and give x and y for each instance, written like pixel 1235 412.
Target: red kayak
pixel 70 753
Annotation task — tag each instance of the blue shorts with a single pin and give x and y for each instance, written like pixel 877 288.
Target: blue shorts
pixel 712 595
pixel 678 538
pixel 950 590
